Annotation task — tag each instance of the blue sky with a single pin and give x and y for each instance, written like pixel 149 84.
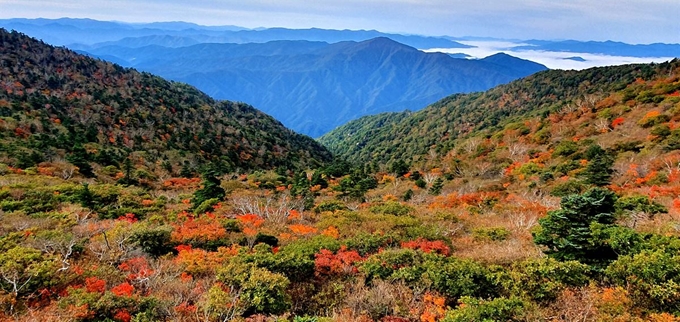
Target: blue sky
pixel 633 21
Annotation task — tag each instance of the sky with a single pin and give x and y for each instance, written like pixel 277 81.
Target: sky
pixel 631 21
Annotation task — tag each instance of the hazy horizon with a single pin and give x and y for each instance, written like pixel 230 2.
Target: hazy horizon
pixel 630 21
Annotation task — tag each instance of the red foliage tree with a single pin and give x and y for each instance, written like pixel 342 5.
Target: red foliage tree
pixel 340 263
pixel 427 246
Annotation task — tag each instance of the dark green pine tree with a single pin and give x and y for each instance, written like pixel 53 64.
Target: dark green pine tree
pixel 79 158
pixel 399 168
pixel 437 186
pixel 567 234
pixel 211 189
pixel 599 170
pixel 127 179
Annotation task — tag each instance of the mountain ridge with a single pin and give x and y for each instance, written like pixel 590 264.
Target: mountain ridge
pixel 98 113
pixel 314 87
pixel 439 126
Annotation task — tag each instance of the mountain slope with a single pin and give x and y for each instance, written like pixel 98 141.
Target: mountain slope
pixel 57 104
pixel 314 87
pixel 441 127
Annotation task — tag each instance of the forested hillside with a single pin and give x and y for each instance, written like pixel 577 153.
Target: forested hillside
pixel 439 127
pixel 70 110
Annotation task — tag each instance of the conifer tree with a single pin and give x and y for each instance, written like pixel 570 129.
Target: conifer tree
pixel 566 233
pixel 211 189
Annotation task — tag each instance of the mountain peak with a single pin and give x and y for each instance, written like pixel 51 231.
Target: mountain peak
pixel 385 42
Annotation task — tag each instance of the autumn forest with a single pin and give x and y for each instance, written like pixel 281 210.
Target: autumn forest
pixel 126 197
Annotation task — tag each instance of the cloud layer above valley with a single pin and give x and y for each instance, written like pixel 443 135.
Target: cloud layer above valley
pixel 551 59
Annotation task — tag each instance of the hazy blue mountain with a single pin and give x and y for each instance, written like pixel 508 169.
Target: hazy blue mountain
pixel 605 47
pixel 314 87
pixel 88 34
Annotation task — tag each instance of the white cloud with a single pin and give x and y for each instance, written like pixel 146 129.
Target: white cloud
pixel 551 59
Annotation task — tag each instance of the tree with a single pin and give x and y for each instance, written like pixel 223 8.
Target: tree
pixel 599 170
pixel 436 187
pixel 211 190
pixel 567 233
pixel 399 168
pixel 127 179
pixel 79 158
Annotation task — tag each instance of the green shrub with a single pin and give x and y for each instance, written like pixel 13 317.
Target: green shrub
pixel 543 279
pixel 566 167
pixel 498 309
pixel 638 203
pixel 366 243
pixel 154 241
pixel 654 120
pixel 491 234
pixel 206 206
pixel 652 278
pixel 567 188
pixel 259 290
pixel 661 130
pixel 384 264
pixel 565 148
pixel 392 208
pixel 331 206
pixel 529 168
pixel 455 277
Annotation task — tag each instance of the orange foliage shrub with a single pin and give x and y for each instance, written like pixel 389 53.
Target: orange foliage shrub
pixel 435 308
pixel 122 315
pixel 250 220
pixel 204 228
pixel 332 232
pixel 181 182
pixel 95 285
pixel 129 217
pixel 123 289
pixel 616 122
pixel 340 263
pixel 137 268
pixel 427 246
pixel 302 230
pixel 199 262
pixel 294 215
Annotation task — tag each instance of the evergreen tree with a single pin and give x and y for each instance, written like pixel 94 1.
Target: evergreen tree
pixel 318 180
pixel 399 168
pixel 408 195
pixel 127 178
pixel 436 187
pixel 211 189
pixel 85 197
pixel 79 158
pixel 567 233
pixel 599 170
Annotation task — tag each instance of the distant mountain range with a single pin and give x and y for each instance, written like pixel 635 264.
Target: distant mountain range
pixel 312 80
pixel 612 48
pixel 88 34
pixel 313 87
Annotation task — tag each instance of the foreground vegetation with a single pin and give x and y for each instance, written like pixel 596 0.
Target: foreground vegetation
pixel 311 247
